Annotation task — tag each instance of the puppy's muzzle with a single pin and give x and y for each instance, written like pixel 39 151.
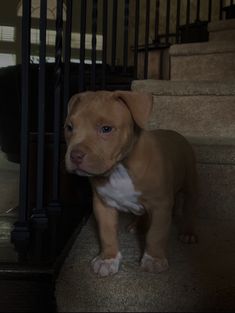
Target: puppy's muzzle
pixel 77 156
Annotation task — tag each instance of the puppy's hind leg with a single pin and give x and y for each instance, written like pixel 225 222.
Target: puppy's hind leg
pixel 187 225
pixel 132 227
pixel 139 224
pixel 189 206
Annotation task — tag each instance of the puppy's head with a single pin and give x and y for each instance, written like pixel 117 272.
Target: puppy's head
pixel 100 129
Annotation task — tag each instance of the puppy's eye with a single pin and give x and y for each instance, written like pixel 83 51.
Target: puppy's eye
pixel 69 127
pixel 106 129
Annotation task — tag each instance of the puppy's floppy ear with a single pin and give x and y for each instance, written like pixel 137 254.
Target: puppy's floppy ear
pixel 140 105
pixel 74 99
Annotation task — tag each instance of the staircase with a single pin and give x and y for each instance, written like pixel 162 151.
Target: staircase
pixel 198 102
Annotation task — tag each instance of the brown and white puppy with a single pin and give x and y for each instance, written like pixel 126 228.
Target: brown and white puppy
pixel 131 170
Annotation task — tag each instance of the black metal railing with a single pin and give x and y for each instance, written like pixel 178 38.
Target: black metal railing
pixel 126 28
pixel 21 233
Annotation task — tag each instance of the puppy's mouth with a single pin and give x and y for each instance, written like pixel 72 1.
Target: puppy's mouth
pixel 89 174
pixel 78 170
pixel 83 173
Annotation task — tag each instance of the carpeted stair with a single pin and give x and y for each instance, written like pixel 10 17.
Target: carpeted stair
pixel 213 60
pixel 200 277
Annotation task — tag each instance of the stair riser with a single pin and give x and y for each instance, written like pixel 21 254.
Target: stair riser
pixel 217 66
pixel 208 152
pixel 225 35
pixel 216 191
pixel 223 30
pixel 195 116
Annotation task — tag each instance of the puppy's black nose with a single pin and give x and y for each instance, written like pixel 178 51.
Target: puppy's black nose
pixel 76 156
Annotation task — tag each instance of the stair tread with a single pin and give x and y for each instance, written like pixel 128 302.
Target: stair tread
pixel 196 274
pixel 213 141
pixel 185 88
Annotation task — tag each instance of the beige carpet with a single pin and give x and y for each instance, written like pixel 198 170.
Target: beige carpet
pixel 201 277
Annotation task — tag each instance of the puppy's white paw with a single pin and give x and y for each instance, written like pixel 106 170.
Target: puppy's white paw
pixel 153 265
pixel 106 267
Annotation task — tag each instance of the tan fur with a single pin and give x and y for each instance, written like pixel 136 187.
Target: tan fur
pixel 160 163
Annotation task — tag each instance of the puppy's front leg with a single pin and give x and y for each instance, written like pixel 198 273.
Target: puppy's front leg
pixel 154 258
pixel 108 261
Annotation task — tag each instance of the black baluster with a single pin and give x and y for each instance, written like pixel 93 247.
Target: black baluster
pixel 20 235
pixel 93 51
pixel 104 46
pixel 221 10
pixel 81 78
pixel 41 106
pixel 125 45
pixel 209 10
pixel 137 18
pixel 188 13
pixel 187 20
pixel 57 102
pixel 39 218
pixel 67 55
pixel 178 21
pixel 54 207
pixel 168 9
pixel 157 14
pixel 146 54
pixel 114 33
pixel 198 10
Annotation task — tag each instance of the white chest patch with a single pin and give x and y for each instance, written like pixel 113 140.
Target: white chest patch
pixel 119 192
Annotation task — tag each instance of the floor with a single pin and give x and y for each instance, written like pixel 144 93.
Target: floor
pixel 9 185
pixel 201 277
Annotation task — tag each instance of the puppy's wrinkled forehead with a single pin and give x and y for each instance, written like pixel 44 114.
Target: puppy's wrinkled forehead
pixel 101 105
